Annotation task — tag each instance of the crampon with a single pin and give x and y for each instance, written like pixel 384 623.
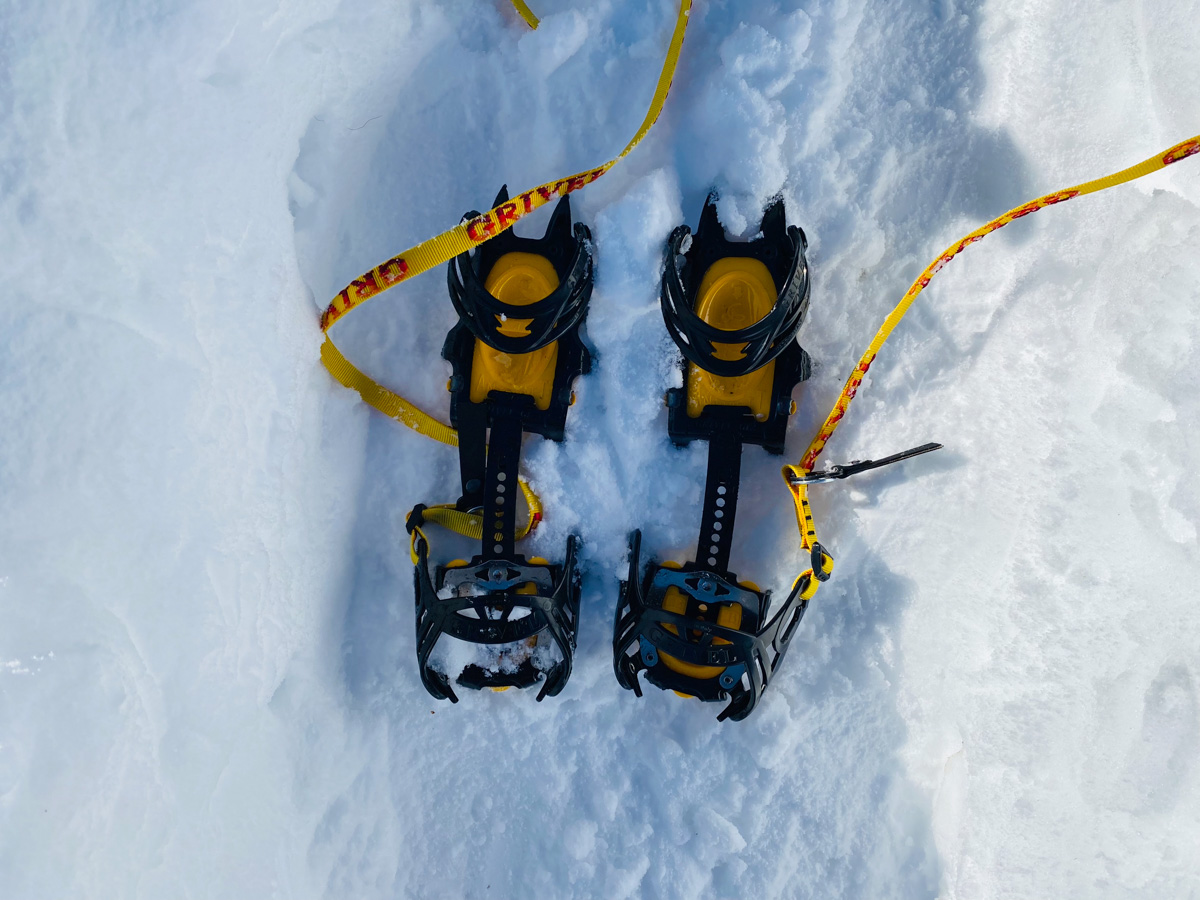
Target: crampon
pixel 734 309
pixel 515 354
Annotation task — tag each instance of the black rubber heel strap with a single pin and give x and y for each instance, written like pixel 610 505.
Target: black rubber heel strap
pixel 720 501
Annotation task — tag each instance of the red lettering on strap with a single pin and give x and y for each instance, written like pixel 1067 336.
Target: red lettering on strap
pixel 1025 210
pixel 1183 151
pixel 332 312
pixel 1060 197
pixel 394 270
pixel 481 228
pixel 506 214
pixel 363 288
pixel 527 201
pixel 969 239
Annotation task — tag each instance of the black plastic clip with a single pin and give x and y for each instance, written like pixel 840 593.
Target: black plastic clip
pixel 822 562
pixel 415 518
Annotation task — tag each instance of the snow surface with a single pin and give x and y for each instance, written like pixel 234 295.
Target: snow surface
pixel 207 676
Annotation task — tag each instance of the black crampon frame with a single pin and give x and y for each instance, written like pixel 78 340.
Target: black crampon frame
pixel 500 597
pixel 704 658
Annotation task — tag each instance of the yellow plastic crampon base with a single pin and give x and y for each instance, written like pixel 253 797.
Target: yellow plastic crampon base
pixel 736 292
pixel 517 279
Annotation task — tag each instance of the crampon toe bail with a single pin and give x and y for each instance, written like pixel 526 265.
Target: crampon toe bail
pixel 548 294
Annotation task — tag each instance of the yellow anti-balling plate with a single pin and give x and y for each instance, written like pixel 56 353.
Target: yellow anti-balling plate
pixel 517 279
pixel 736 292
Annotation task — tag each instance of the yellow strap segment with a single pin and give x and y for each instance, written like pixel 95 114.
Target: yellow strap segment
pixel 1180 151
pixel 525 13
pixel 1174 154
pixel 463 237
pixel 384 400
pixel 804 518
pixel 469 524
pixel 440 249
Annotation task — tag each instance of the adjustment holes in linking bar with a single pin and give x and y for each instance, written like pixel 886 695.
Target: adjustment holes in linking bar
pixel 720 491
pixel 718 514
pixel 716 526
pixel 500 476
pixel 720 501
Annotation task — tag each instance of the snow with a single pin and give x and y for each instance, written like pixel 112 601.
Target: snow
pixel 207 675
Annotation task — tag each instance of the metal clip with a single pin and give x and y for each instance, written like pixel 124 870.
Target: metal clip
pixel 835 473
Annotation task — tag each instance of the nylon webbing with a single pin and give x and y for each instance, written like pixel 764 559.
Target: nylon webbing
pixel 808 535
pixel 440 249
pixel 467 235
pixel 525 13
pixel 470 524
pixel 384 400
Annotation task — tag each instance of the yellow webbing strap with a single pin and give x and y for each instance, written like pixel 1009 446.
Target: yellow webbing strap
pixel 440 249
pixel 469 524
pixel 466 235
pixel 384 400
pixel 808 534
pixel 525 13
pixel 808 539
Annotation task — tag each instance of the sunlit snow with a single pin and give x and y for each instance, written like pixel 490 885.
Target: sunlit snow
pixel 208 684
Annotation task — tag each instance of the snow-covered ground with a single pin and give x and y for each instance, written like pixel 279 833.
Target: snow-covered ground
pixel 207 676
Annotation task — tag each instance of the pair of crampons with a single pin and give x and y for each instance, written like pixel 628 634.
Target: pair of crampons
pixel 733 308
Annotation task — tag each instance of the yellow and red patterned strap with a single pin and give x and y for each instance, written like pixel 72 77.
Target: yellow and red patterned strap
pixel 440 249
pixel 463 237
pixel 799 492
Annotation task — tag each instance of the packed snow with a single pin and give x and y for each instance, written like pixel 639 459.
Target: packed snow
pixel 208 684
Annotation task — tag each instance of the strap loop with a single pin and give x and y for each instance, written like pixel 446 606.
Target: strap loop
pixel 467 524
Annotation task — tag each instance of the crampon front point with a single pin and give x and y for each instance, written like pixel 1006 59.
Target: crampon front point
pixel 733 308
pixel 515 354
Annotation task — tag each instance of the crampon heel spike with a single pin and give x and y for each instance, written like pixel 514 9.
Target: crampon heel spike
pixel 733 309
pixel 515 354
